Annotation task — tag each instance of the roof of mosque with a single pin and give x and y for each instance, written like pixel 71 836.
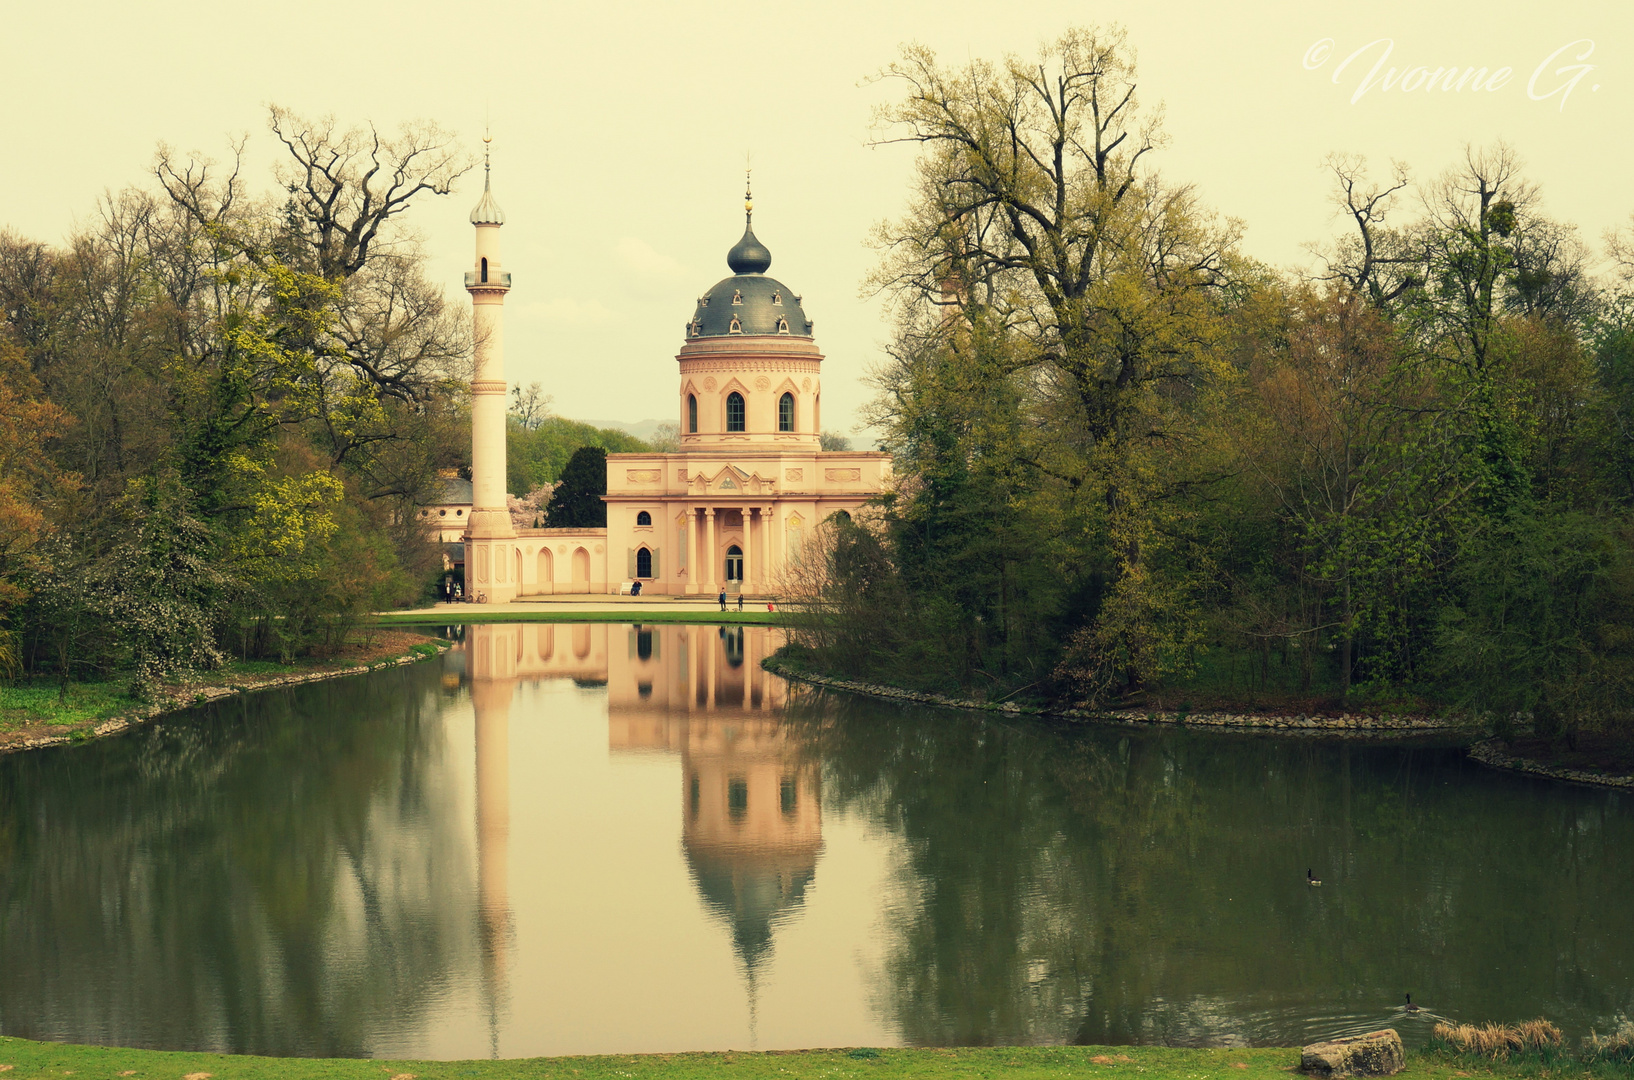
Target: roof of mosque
pixel 749 302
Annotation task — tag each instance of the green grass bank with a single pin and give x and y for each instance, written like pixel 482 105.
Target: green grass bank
pixel 38 712
pixel 20 1058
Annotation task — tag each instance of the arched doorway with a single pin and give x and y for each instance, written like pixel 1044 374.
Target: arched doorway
pixel 734 566
pixel 643 563
pixel 547 571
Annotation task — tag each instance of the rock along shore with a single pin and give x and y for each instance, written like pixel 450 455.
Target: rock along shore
pixel 1487 752
pixel 1490 752
pixel 189 696
pixel 1346 724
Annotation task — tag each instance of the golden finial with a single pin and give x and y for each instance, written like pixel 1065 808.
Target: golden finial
pixel 748 191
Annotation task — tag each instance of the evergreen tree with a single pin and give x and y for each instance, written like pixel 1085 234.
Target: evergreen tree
pixel 577 501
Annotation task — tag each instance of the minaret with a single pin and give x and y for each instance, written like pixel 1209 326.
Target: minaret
pixel 490 568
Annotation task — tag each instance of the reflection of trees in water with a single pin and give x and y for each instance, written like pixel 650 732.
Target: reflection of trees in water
pixel 1114 885
pixel 278 877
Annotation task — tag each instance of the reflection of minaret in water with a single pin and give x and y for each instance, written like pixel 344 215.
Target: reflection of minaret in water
pixel 490 662
pixel 752 825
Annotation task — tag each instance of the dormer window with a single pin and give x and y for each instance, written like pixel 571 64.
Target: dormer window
pixel 777 298
pixel 736 327
pixel 703 301
pixel 737 296
pixel 782 325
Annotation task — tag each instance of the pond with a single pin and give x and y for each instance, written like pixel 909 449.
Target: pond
pixel 602 838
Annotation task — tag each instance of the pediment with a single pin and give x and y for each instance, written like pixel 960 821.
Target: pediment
pixel 731 480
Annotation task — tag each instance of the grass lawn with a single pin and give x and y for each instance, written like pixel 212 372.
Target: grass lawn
pixel 476 614
pixel 41 701
pixel 31 708
pixel 20 1058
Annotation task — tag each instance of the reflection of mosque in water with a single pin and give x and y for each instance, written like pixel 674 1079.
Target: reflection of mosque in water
pixel 751 819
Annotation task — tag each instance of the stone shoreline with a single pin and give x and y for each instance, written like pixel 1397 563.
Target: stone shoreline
pixel 188 697
pixel 1486 751
pixel 1489 752
pixel 1345 725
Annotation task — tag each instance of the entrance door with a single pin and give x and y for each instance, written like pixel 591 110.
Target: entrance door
pixel 734 568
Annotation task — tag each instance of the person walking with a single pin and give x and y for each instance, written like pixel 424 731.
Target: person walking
pixel 723 599
pixel 740 601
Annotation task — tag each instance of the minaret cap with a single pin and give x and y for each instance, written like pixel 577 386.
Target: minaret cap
pixel 749 255
pixel 487 211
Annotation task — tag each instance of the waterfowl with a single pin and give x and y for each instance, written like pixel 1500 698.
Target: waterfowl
pixel 1410 1006
pixel 1311 880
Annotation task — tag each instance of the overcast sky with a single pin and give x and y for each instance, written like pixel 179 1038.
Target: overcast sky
pixel 620 132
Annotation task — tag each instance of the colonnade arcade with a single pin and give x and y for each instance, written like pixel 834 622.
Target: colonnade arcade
pixel 720 539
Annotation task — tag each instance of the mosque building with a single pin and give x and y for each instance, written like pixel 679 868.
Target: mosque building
pixel 727 511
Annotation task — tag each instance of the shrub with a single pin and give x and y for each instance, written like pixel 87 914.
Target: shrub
pixel 1617 1047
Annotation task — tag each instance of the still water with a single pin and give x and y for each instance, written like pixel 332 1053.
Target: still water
pixel 589 839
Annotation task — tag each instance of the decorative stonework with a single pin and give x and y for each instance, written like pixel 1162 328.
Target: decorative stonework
pixel 709 383
pixel 806 385
pixel 842 475
pixel 763 383
pixel 561 549
pixel 693 366
pixel 794 474
pixel 600 548
pixel 643 476
pixel 488 386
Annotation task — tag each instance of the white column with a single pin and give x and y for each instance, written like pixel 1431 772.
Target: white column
pixel 709 548
pixel 488 551
pixel 694 571
pixel 488 402
pixel 751 558
pixel 768 536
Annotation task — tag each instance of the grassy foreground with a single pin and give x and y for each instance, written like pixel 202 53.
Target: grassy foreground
pixel 20 1058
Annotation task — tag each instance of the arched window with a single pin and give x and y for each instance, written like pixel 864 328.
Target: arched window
pixel 692 414
pixel 734 411
pixel 785 413
pixel 643 563
pixel 734 563
pixel 643 518
pixel 485 271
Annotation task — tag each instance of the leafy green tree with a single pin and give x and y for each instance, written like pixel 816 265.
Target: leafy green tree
pixel 1035 205
pixel 1541 629
pixel 577 501
pixel 536 457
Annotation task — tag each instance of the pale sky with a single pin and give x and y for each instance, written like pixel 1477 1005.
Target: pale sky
pixel 620 132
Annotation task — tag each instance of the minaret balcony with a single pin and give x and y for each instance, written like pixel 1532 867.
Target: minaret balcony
pixel 498 279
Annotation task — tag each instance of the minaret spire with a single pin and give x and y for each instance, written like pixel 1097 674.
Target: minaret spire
pixel 491 559
pixel 748 255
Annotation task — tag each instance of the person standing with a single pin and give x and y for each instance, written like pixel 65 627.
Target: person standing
pixel 723 599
